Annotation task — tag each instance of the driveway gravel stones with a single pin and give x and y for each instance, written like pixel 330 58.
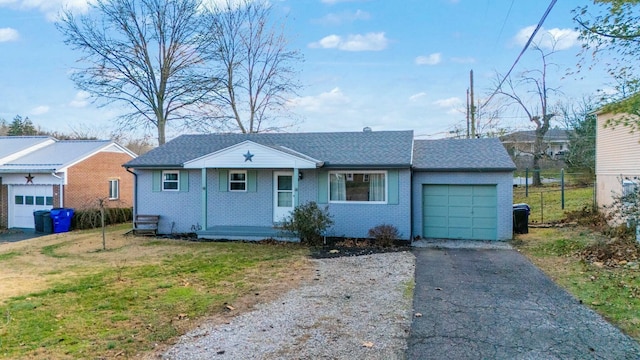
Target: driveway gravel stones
pixel 355 308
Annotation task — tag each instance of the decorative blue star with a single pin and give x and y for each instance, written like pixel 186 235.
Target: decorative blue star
pixel 248 156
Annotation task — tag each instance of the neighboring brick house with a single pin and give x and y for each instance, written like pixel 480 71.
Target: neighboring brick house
pixel 241 186
pixel 39 173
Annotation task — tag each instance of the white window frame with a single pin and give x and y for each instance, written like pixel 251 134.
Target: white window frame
pixel 114 189
pixel 177 181
pixel 231 181
pixel 367 172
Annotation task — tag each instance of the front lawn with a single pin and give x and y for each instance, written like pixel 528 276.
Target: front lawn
pixel 600 271
pixel 64 297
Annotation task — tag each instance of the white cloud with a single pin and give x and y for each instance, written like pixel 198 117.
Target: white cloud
pixel 451 102
pixel 39 110
pixel 8 34
pixel 343 17
pixel 80 100
pixel 51 8
pixel 562 39
pixel 432 59
pixel 417 96
pixel 367 42
pixel 326 101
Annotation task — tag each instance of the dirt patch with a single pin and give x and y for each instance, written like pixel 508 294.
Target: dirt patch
pixel 338 247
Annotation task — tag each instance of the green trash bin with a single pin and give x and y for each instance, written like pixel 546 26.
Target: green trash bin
pixel 47 222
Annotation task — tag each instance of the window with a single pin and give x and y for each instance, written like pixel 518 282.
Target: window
pixel 368 186
pixel 237 181
pixel 39 200
pixel 19 200
pixel 114 189
pixel 170 180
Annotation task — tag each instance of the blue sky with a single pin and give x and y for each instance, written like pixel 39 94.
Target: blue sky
pixel 385 64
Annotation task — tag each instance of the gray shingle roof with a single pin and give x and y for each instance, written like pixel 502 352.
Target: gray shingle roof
pixel 461 155
pixel 552 135
pixel 335 149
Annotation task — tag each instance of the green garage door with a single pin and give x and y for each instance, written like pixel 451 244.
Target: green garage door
pixel 459 211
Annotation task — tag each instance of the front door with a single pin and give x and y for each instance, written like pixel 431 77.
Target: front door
pixel 282 195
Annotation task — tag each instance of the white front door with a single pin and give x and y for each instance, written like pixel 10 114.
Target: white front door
pixel 24 200
pixel 282 195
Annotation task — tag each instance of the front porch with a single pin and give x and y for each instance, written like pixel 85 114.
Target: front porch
pixel 248 233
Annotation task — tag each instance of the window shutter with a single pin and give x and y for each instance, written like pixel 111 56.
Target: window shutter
pixel 184 180
pixel 223 180
pixel 393 186
pixel 156 181
pixel 252 181
pixel 323 187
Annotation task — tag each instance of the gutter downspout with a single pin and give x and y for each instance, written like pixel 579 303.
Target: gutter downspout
pixel 61 200
pixel 135 191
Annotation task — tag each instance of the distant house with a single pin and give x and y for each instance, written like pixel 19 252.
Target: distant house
pixel 41 173
pixel 617 159
pixel 522 143
pixel 241 186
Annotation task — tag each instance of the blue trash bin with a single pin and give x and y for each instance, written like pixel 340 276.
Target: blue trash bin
pixel 61 219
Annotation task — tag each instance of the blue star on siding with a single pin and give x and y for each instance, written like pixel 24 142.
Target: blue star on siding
pixel 248 156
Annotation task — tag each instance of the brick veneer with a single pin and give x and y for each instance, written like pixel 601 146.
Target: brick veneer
pixel 4 205
pixel 88 181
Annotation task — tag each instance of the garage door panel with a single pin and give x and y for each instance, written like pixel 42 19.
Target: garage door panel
pixel 437 200
pixel 460 211
pixel 437 221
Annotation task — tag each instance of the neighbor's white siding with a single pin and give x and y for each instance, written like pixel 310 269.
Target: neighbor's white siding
pixel 617 158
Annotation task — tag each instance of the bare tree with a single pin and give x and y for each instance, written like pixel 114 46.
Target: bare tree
pixel 256 67
pixel 147 54
pixel 530 92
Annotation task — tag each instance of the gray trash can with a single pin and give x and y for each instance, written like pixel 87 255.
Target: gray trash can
pixel 521 218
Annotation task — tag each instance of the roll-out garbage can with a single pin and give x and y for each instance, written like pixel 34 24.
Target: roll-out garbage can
pixel 37 220
pixel 61 219
pixel 42 221
pixel 521 218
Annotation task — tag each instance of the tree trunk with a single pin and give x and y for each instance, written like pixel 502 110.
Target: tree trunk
pixel 161 130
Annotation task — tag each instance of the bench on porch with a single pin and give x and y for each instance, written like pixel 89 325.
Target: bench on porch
pixel 146 224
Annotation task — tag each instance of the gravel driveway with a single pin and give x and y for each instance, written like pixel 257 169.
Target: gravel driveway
pixel 355 308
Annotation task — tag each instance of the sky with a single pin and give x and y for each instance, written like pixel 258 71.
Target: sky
pixel 383 64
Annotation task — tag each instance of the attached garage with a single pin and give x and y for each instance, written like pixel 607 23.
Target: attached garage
pixel 460 211
pixel 462 189
pixel 24 200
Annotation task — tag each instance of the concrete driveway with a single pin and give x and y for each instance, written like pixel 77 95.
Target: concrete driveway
pixel 16 234
pixel 494 304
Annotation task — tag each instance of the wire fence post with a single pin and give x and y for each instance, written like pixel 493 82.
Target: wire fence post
pixel 526 182
pixel 541 208
pixel 562 187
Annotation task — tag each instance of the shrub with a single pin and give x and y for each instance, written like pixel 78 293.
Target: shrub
pixel 308 221
pixel 384 234
pixel 90 218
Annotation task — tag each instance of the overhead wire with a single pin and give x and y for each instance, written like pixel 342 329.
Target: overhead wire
pixel 526 46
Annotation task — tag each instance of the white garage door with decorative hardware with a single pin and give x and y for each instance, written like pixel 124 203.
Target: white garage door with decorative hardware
pixel 459 211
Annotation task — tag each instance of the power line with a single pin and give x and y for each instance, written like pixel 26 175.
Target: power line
pixel 526 46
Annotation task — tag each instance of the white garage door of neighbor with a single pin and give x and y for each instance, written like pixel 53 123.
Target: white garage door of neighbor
pixel 459 211
pixel 25 200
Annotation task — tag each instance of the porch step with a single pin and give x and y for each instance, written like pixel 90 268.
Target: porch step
pixel 248 233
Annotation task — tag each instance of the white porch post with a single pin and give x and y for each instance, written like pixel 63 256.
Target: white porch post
pixel 294 184
pixel 204 199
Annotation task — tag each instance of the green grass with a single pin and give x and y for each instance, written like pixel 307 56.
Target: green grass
pixel 546 204
pixel 126 309
pixel 612 292
pixel 9 255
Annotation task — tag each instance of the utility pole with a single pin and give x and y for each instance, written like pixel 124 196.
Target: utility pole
pixel 467 113
pixel 472 107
